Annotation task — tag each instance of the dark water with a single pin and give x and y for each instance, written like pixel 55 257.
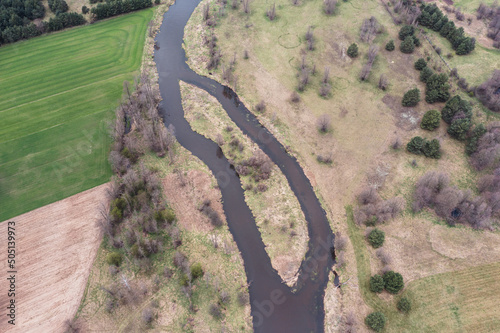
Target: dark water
pixel 274 306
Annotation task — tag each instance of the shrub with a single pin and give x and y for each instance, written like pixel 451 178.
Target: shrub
pixel 459 128
pixel 390 46
pixel 215 311
pixel 407 46
pixel 431 120
pixel 85 9
pixel 329 6
pixel 114 258
pixel 377 284
pixel 352 50
pixel 406 31
pixel 375 321
pixel 416 145
pixel 376 238
pixel 420 64
pixel 411 97
pixel 404 305
pixel 196 271
pixel 393 282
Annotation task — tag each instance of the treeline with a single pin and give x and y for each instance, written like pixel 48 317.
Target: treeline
pixel 433 18
pixel 16 17
pixel 112 8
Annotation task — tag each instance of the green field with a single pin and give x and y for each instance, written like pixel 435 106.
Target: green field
pixel 58 95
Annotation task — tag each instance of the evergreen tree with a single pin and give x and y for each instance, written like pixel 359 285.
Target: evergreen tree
pixel 407 46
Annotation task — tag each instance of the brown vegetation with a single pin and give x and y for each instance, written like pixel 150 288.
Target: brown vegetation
pixel 373 210
pixel 369 29
pixel 489 92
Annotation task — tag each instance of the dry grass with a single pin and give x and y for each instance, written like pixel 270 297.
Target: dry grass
pixel 277 211
pixel 365 120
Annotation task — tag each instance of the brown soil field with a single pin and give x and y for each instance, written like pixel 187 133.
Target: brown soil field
pixel 55 248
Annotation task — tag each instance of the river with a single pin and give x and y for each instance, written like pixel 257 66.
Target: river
pixel 275 306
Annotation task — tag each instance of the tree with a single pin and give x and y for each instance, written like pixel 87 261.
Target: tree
pixel 407 46
pixel 455 106
pixel 459 128
pixel 393 282
pixel 85 9
pixel 390 45
pixel 432 149
pixel 376 238
pixel 323 123
pixel 406 31
pixel 271 12
pixel 420 64
pixel 437 88
pixel 416 145
pixel 404 305
pixel 425 74
pixel 329 6
pixel 352 51
pixel 375 321
pixel 411 97
pixel 377 284
pixel 431 120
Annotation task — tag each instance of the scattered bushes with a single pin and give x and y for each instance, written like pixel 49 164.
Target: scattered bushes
pixel 377 284
pixel 376 238
pixel 411 97
pixel 430 120
pixel 404 305
pixel 352 50
pixel 375 321
pixel 393 282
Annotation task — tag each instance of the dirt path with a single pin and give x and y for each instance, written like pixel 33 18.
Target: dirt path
pixel 55 247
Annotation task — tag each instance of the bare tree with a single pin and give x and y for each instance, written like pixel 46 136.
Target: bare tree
pixel 246 6
pixel 323 123
pixel 382 82
pixel 206 12
pixel 326 75
pixel 271 12
pixel 295 97
pixel 329 6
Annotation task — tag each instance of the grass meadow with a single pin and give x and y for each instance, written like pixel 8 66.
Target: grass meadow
pixel 58 94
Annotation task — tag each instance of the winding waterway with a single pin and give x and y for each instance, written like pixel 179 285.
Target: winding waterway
pixel 275 307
